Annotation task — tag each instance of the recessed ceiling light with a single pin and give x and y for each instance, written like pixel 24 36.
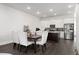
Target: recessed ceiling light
pixel 50 10
pixel 55 14
pixel 38 12
pixel 70 6
pixel 28 7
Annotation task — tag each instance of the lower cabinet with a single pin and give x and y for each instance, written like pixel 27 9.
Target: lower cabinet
pixel 53 37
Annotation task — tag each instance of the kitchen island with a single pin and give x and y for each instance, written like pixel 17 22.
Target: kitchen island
pixel 53 36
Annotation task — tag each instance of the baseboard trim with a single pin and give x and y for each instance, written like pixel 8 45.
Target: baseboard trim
pixel 6 42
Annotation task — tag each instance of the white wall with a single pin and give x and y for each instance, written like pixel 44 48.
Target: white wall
pixel 69 20
pixel 13 20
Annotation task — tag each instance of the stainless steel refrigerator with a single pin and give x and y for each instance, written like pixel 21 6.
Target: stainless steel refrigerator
pixel 69 31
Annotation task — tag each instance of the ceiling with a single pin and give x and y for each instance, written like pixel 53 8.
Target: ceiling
pixel 42 9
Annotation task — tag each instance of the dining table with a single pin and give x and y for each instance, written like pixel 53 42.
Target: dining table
pixel 34 38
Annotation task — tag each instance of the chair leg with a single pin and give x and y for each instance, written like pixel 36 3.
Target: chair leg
pixel 26 49
pixel 45 46
pixel 14 45
pixel 42 49
pixel 20 48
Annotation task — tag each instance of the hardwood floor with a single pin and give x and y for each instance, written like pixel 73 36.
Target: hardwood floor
pixel 63 47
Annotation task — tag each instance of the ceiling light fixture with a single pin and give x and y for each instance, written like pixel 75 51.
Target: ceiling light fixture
pixel 28 7
pixel 50 10
pixel 38 12
pixel 70 6
pixel 55 14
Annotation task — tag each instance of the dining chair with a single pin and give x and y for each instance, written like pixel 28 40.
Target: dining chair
pixel 43 40
pixel 24 40
pixel 39 32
